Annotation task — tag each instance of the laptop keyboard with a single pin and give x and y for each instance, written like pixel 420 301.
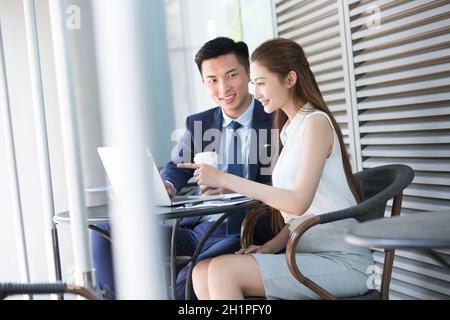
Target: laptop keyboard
pixel 184 198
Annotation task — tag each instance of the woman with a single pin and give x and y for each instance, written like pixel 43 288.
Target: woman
pixel 312 176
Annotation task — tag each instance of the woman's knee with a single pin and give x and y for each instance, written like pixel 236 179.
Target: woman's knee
pixel 201 269
pixel 200 279
pixel 221 269
pixel 235 272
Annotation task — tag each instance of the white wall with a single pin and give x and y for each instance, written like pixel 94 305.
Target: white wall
pixel 257 28
pixel 189 25
pixel 260 27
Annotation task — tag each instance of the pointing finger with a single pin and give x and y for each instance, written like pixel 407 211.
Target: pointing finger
pixel 188 165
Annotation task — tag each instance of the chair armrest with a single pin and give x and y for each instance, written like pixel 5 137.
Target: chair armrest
pixel 291 261
pixel 8 289
pixel 352 212
pixel 82 291
pixel 380 200
pixel 404 174
pixel 248 226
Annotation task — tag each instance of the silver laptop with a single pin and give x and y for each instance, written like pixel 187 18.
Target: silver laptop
pixel 109 158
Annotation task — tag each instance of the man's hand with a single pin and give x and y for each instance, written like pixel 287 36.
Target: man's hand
pixel 170 189
pixel 207 191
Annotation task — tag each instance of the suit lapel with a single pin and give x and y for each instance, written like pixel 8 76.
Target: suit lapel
pixel 212 142
pixel 261 120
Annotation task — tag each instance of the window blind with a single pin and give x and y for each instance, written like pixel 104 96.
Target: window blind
pixel 384 69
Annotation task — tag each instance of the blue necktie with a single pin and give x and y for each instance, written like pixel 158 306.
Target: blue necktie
pixel 235 167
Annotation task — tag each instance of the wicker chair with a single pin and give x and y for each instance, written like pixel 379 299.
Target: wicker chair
pixel 376 187
pixel 60 288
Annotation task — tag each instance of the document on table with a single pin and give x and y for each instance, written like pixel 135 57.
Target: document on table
pixel 230 196
pixel 219 203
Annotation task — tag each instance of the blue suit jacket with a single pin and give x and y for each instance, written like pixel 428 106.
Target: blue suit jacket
pixel 212 119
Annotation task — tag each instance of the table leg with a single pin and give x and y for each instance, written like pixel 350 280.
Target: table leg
pixel 55 243
pixel 173 257
pixel 187 293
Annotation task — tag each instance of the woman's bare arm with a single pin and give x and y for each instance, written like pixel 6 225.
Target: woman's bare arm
pixel 317 144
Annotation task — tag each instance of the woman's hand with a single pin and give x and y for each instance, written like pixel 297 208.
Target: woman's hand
pixel 254 249
pixel 205 175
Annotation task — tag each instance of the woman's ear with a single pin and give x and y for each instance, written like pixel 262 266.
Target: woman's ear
pixel 291 79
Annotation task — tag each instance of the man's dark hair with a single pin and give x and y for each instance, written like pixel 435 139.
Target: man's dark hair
pixel 221 46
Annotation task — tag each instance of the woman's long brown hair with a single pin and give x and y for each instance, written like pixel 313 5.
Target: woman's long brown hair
pixel 282 56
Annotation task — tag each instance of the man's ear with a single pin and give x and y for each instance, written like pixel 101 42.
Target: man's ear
pixel 291 79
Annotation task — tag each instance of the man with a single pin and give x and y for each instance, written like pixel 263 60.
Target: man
pixel 239 119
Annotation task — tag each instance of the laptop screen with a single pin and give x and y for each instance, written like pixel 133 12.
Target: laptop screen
pixel 110 158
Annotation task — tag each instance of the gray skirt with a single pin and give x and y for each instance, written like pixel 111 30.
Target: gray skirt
pixel 324 257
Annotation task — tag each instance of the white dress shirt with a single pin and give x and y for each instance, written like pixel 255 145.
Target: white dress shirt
pixel 244 132
pixel 226 145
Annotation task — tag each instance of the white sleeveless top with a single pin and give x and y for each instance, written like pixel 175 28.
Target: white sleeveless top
pixel 333 192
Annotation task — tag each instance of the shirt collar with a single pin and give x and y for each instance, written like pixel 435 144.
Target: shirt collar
pixel 245 119
pixel 291 125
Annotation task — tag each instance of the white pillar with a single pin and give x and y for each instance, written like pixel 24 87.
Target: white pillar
pixel 81 41
pixel 11 160
pixel 71 143
pixel 50 232
pixel 127 38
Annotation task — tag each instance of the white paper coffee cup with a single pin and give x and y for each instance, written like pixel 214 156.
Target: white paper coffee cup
pixel 210 158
